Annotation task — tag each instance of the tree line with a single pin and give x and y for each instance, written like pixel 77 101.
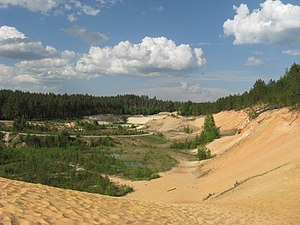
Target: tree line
pixel 275 94
pixel 283 92
pixel 17 103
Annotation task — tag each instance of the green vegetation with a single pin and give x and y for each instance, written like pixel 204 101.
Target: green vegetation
pixel 203 153
pixel 79 127
pixel 187 129
pixel 83 163
pixel 209 133
pixel 284 92
pixel 1 135
pixel 15 104
pixel 68 168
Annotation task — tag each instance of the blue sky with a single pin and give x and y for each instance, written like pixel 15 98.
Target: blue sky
pixel 195 50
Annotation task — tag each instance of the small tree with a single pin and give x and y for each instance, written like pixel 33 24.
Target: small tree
pixel 62 139
pixel 19 124
pixel 203 153
pixel 210 131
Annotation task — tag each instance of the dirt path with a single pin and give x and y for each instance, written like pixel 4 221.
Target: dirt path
pixel 174 186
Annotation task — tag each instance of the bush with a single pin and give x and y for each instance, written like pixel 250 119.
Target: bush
pixel 203 153
pixel 1 135
pixel 19 124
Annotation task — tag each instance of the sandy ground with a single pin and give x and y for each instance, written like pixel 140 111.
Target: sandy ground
pixel 253 180
pixel 23 203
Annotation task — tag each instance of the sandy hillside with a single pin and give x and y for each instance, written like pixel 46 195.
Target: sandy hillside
pixel 171 125
pixel 253 180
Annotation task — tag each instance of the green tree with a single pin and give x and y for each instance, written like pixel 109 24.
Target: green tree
pixel 210 130
pixel 203 153
pixel 19 124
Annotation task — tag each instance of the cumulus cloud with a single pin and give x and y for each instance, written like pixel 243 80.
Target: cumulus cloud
pixel 273 23
pixel 87 36
pixel 15 45
pixel 46 69
pixel 253 61
pixel 151 57
pixel 292 52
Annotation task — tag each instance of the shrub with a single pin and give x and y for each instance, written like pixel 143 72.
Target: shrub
pixel 203 153
pixel 1 135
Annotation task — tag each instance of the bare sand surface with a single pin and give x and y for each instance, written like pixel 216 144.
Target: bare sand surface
pixel 253 180
pixel 23 203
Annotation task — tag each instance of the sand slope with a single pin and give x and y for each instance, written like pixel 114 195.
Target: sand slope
pixel 263 161
pixel 23 203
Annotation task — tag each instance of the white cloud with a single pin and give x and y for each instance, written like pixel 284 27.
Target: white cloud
pixel 253 61
pixel 151 57
pixel 89 10
pixel 190 89
pixel 46 69
pixel 5 73
pixel 291 52
pixel 72 18
pixel 68 55
pixel 7 32
pixel 109 1
pixel 184 92
pixel 58 7
pixel 25 78
pixel 15 45
pixel 87 36
pixel 32 5
pixel 274 23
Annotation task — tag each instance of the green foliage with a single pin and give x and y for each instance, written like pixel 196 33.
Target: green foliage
pixel 208 134
pixel 107 141
pixel 187 129
pixel 203 153
pixel 80 168
pixel 281 93
pixel 19 124
pixel 60 140
pixel 15 104
pixel 70 168
pixel 184 145
pixel 1 135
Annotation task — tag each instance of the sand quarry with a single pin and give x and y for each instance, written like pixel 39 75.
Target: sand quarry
pixel 254 179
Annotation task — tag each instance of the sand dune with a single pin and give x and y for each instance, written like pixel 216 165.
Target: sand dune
pixel 23 203
pixel 254 180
